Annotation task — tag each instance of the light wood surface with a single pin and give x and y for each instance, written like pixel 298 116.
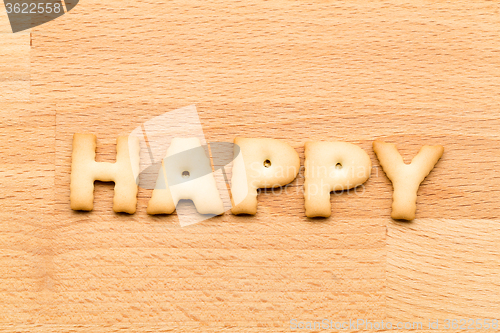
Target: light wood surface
pixel 412 73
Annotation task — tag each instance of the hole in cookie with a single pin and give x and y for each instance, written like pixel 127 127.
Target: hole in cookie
pixel 338 166
pixel 267 163
pixel 185 174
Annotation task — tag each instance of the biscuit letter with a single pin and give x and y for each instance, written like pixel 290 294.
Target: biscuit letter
pixel 406 178
pixel 185 173
pixel 331 166
pixel 85 170
pixel 260 163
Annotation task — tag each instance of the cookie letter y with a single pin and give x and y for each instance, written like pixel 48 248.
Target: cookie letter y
pixel 406 178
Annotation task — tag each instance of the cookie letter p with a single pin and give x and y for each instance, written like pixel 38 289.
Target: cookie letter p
pixel 406 178
pixel 331 166
pixel 85 170
pixel 260 163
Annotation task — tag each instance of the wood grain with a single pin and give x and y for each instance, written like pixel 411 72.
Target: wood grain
pixel 15 64
pixel 412 73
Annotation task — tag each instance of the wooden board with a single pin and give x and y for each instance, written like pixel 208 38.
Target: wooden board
pixel 412 73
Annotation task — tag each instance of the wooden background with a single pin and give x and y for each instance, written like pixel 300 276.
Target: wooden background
pixel 412 73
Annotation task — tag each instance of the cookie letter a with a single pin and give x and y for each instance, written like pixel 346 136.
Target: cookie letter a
pixel 186 173
pixel 260 163
pixel 85 170
pixel 406 178
pixel 331 166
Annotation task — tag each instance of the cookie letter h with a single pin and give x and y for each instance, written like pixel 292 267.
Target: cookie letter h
pixel 85 170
